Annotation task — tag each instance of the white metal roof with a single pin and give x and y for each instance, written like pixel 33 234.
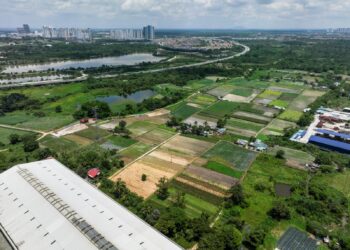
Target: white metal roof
pixel 44 205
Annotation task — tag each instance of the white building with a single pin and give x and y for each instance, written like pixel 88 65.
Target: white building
pixel 44 205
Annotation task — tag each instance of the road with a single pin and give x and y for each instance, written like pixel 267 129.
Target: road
pixel 84 76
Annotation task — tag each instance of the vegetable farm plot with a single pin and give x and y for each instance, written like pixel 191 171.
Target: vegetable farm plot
pixel 201 120
pixel 288 97
pixel 220 109
pixel 222 90
pixel 228 153
pixel 134 151
pixel 279 103
pixel 155 136
pixel 184 111
pixel 277 126
pixel 213 177
pixel 270 94
pixel 223 169
pixel 120 141
pixel 249 83
pixel 291 115
pixel 284 90
pixel 294 158
pixel 138 128
pixel 252 117
pixel 243 124
pixel 305 99
pixel 83 141
pixel 93 133
pixel 58 144
pixel 188 146
pixel 204 100
pixel 245 92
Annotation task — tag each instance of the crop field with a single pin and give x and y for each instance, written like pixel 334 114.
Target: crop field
pixel 305 99
pixel 93 133
pixel 246 92
pixel 223 169
pixel 198 84
pixel 200 120
pixel 204 100
pixel 291 115
pixel 284 90
pixel 278 126
pixel 5 133
pixel 155 136
pixel 249 83
pixel 288 97
pixel 121 141
pixel 294 158
pixel 222 90
pixel 252 117
pixel 134 151
pixel 184 111
pixel 58 144
pixel 138 128
pixel 243 124
pixel 279 103
pixel 194 206
pixel 228 153
pixel 188 146
pixel 270 94
pixel 172 157
pixel 220 109
pixel 83 141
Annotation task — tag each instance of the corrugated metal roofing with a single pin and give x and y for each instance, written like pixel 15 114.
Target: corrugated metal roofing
pixel 329 132
pixel 44 205
pixel 293 239
pixel 330 142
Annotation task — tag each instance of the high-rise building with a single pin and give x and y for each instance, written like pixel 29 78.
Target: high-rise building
pixel 148 32
pixel 126 34
pixel 24 29
pixel 67 33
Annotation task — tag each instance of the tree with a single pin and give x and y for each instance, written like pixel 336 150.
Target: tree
pixel 280 154
pixel 14 139
pixel 162 192
pixel 58 109
pixel 255 238
pixel 236 195
pixel 221 123
pixel 143 177
pixel 43 153
pixel 179 199
pixel 279 211
pixel 29 143
pixel 93 109
pixel 120 189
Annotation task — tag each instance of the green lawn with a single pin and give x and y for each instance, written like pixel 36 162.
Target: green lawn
pixel 226 152
pixel 290 115
pixel 223 169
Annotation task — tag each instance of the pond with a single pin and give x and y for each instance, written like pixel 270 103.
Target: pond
pixel 137 97
pixel 127 60
pixel 283 190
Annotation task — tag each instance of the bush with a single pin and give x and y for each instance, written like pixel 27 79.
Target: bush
pixel 280 154
pixel 14 139
pixel 279 211
pixel 316 228
pixel 143 177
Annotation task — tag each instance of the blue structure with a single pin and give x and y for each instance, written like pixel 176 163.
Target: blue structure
pixel 333 133
pixel 330 144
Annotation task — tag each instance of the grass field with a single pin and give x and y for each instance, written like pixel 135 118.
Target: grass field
pixel 5 133
pixel 155 136
pixel 291 115
pixel 204 100
pixel 249 83
pixel 243 124
pixel 223 169
pixel 339 181
pixel 226 152
pixel 134 151
pixel 58 144
pixel 93 133
pixel 288 96
pixel 270 94
pixel 295 158
pixel 121 141
pixel 198 84
pixel 304 99
pixel 194 206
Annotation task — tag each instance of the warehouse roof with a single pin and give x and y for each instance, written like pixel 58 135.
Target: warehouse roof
pixel 342 146
pixel 330 132
pixel 44 205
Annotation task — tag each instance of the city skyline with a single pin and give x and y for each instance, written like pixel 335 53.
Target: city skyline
pixel 178 14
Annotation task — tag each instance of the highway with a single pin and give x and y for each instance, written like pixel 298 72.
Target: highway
pixel 85 76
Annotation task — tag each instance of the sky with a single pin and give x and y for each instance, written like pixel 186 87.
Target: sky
pixel 177 14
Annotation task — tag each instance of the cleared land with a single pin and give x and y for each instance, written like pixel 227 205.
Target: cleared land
pixel 134 151
pixel 155 136
pixel 294 158
pixel 291 115
pixel 79 139
pixel 305 99
pixel 278 126
pixel 138 128
pixel 222 90
pixel 252 117
pixel 58 144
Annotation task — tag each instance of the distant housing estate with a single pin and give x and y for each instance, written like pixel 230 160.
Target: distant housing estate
pixel 67 33
pixel 147 33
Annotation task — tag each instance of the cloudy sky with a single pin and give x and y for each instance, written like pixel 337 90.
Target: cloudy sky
pixel 225 14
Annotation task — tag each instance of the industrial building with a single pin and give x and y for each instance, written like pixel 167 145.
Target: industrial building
pixel 44 205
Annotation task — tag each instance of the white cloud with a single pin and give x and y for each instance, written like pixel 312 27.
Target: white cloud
pixel 177 13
